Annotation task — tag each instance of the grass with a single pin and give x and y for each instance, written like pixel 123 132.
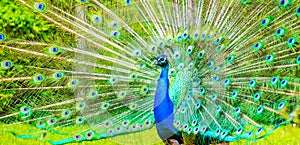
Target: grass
pixel 286 135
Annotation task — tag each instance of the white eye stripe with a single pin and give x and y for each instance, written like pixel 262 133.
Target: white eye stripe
pixel 162 59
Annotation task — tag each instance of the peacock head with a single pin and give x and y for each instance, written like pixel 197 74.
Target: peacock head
pixel 161 60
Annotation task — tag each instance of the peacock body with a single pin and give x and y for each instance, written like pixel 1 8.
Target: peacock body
pixel 223 70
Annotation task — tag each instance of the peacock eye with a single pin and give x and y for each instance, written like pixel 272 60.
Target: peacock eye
pixel 162 59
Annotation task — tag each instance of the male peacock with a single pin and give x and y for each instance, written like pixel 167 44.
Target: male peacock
pixel 227 70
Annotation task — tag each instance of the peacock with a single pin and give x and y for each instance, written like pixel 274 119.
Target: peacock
pixel 189 71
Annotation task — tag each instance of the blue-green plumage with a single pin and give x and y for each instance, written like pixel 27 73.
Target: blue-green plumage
pixel 163 106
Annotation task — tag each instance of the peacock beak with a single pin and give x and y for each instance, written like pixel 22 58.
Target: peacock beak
pixel 155 62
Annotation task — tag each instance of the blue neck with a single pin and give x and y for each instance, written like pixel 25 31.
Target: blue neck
pixel 163 106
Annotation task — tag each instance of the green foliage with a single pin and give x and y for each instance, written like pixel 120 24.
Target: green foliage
pixel 5 100
pixel 20 22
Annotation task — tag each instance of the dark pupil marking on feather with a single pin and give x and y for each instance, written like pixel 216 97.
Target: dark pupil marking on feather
pixel 77 136
pixel 278 31
pixel 52 120
pixel 41 6
pixel 125 122
pixel 1 36
pixel 256 96
pixel 223 133
pixel 218 131
pixel 256 45
pixel 226 81
pixel 137 53
pixel 282 2
pixel 89 134
pixel 291 40
pixel 280 105
pixel 147 122
pixel 40 123
pixel 115 33
pixel 25 109
pixel 66 113
pixel 264 21
pixel 80 119
pixel 105 105
pixel 274 79
pixel 134 126
pixel 58 75
pixel 106 123
pixel 203 35
pixel 234 93
pixel 259 109
pixel 153 48
pixel 39 78
pixel 55 49
pixel 145 89
pixel 179 37
pixel 196 35
pixel 73 82
pixel 122 94
pixel 185 126
pixel 269 57
pixel 196 129
pixel 80 105
pixel 250 133
pixel 208 37
pixel 283 82
pixel 237 110
pixel 259 129
pixel 298 59
pixel 239 130
pixel 252 82
pixel 184 35
pixel 298 10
